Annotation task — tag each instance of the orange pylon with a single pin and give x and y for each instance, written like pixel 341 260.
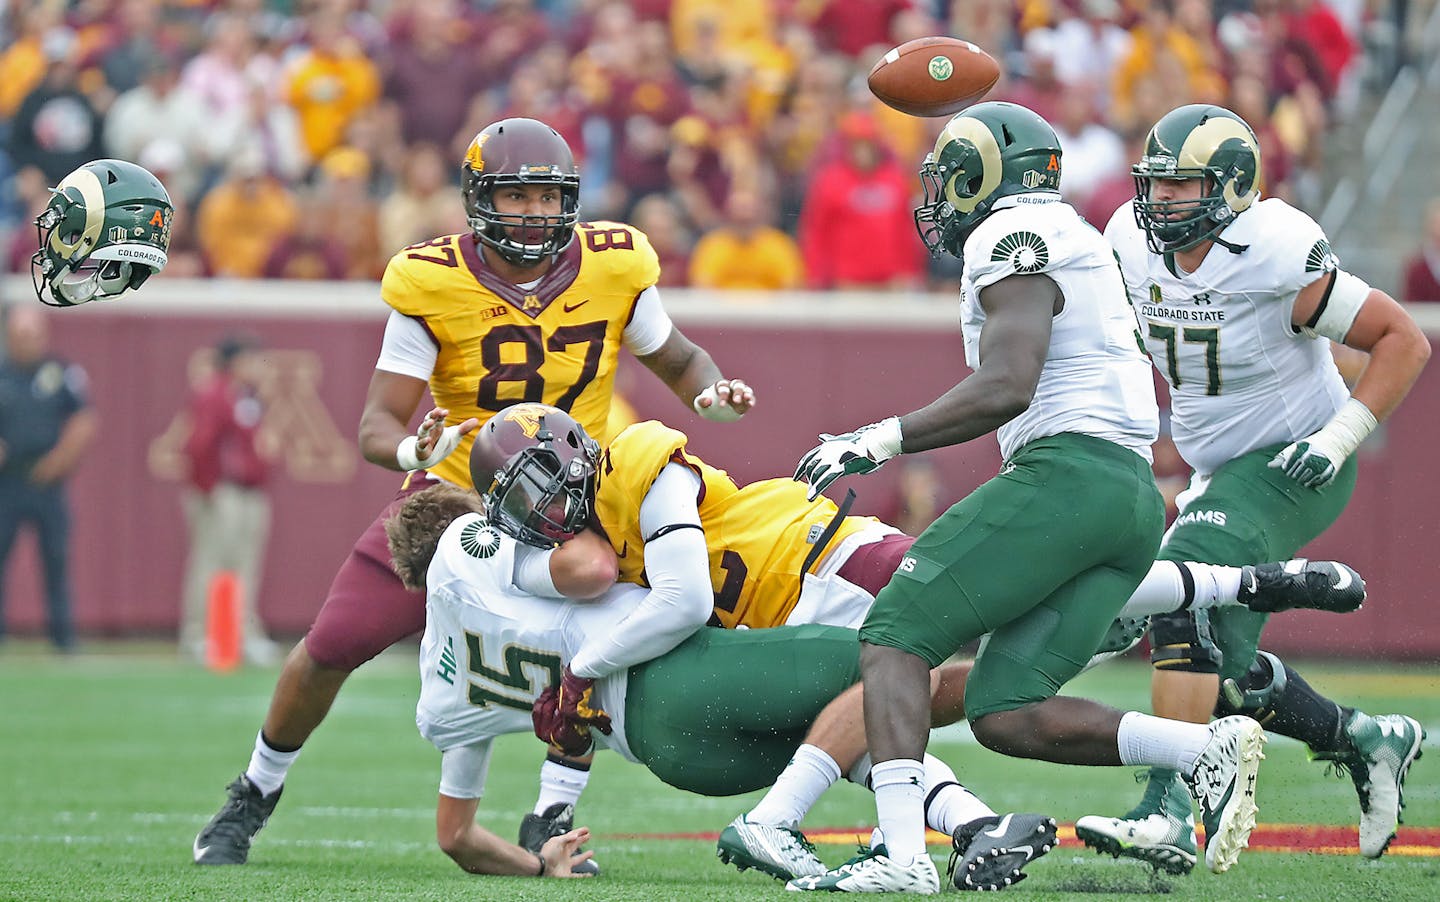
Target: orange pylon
pixel 222 625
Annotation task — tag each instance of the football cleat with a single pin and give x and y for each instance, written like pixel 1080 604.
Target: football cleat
pixel 226 839
pixel 872 871
pixel 1314 585
pixel 1159 831
pixel 781 852
pixel 1124 634
pixel 537 829
pixel 1385 746
pixel 1222 780
pixel 990 851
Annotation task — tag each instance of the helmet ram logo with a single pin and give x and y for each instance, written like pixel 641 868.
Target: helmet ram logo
pixel 965 130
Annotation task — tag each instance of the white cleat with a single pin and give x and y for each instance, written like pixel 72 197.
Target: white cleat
pixel 1223 782
pixel 873 872
pixel 777 851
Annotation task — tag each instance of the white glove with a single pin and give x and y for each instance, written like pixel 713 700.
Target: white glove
pixel 858 453
pixel 1315 460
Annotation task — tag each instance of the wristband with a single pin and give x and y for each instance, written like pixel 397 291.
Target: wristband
pixel 541 872
pixel 1347 429
pixel 716 412
pixel 882 440
pixel 405 453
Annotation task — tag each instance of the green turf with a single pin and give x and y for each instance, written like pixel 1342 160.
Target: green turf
pixel 112 761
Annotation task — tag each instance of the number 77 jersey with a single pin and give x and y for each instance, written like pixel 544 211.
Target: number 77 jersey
pixel 1241 376
pixel 555 341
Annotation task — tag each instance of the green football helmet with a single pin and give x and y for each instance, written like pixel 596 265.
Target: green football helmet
pixel 988 151
pixel 1198 141
pixel 105 230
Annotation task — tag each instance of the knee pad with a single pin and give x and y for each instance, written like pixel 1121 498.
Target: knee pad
pixel 1182 642
pixel 1257 692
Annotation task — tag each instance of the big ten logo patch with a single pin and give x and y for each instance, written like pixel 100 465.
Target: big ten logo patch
pixel 295 427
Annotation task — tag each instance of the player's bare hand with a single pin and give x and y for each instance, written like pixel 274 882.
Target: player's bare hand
pixel 433 440
pixel 562 853
pixel 725 401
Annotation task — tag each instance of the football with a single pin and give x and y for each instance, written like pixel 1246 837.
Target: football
pixel 937 76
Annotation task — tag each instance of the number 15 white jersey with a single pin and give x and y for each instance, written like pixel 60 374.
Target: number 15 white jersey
pixel 1241 377
pixel 490 649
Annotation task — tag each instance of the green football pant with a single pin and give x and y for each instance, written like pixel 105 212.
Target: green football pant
pixel 1249 513
pixel 723 712
pixel 1042 557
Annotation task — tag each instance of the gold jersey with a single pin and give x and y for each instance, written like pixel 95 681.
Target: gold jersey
pixel 500 344
pixel 758 536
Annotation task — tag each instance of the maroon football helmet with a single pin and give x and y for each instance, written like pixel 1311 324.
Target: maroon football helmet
pixel 535 467
pixel 520 152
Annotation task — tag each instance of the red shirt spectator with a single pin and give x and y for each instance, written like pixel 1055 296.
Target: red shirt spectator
pixel 850 26
pixel 1422 272
pixel 225 416
pixel 857 226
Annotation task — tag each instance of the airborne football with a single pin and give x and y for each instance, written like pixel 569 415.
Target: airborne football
pixel 935 76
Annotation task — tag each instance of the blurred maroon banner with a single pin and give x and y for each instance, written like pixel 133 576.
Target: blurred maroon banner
pixel 814 371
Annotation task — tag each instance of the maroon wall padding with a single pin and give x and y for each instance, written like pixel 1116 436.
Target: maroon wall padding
pixel 129 539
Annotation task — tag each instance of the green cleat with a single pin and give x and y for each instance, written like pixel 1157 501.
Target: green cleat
pixel 1159 831
pixel 1385 746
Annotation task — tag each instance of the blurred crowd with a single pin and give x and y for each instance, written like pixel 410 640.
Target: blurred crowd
pixel 314 138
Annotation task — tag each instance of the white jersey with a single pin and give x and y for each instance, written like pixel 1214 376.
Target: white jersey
pixel 1095 381
pixel 1241 376
pixel 490 649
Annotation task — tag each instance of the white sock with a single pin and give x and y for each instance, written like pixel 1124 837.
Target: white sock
pixel 859 774
pixel 268 767
pixel 1214 585
pixel 810 772
pixel 947 803
pixel 900 807
pixel 1161 591
pixel 1159 742
pixel 559 783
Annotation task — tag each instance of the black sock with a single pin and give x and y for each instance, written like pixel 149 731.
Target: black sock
pixel 1304 714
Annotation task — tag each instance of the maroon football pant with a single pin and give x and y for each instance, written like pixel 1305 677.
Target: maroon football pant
pixel 871 566
pixel 367 609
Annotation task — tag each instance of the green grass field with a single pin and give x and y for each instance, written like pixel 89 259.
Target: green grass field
pixel 112 761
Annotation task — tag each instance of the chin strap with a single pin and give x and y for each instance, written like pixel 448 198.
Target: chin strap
pixel 1232 248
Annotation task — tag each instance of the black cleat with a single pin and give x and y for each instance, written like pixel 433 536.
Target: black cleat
pixel 226 839
pixel 990 851
pixel 1314 585
pixel 537 829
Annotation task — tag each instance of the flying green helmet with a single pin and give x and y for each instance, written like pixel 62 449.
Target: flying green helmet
pixel 1198 141
pixel 988 151
pixel 105 230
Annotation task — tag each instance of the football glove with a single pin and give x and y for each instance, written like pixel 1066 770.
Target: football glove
pixel 853 453
pixel 1315 460
pixel 564 717
pixel 554 730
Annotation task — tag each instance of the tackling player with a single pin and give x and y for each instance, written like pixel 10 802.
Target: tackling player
pixel 1236 297
pixel 529 305
pixel 1058 373
pixel 493 651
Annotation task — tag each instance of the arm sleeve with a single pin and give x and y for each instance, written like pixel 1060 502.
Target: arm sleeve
pixel 407 348
pixel 463 770
pixel 677 565
pixel 650 326
pixel 532 571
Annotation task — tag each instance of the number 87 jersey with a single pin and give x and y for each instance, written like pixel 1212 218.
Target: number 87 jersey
pixel 1241 375
pixel 555 341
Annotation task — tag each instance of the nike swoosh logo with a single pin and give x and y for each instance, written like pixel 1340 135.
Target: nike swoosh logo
pixel 623 549
pixel 1343 582
pixel 999 829
pixel 571 308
